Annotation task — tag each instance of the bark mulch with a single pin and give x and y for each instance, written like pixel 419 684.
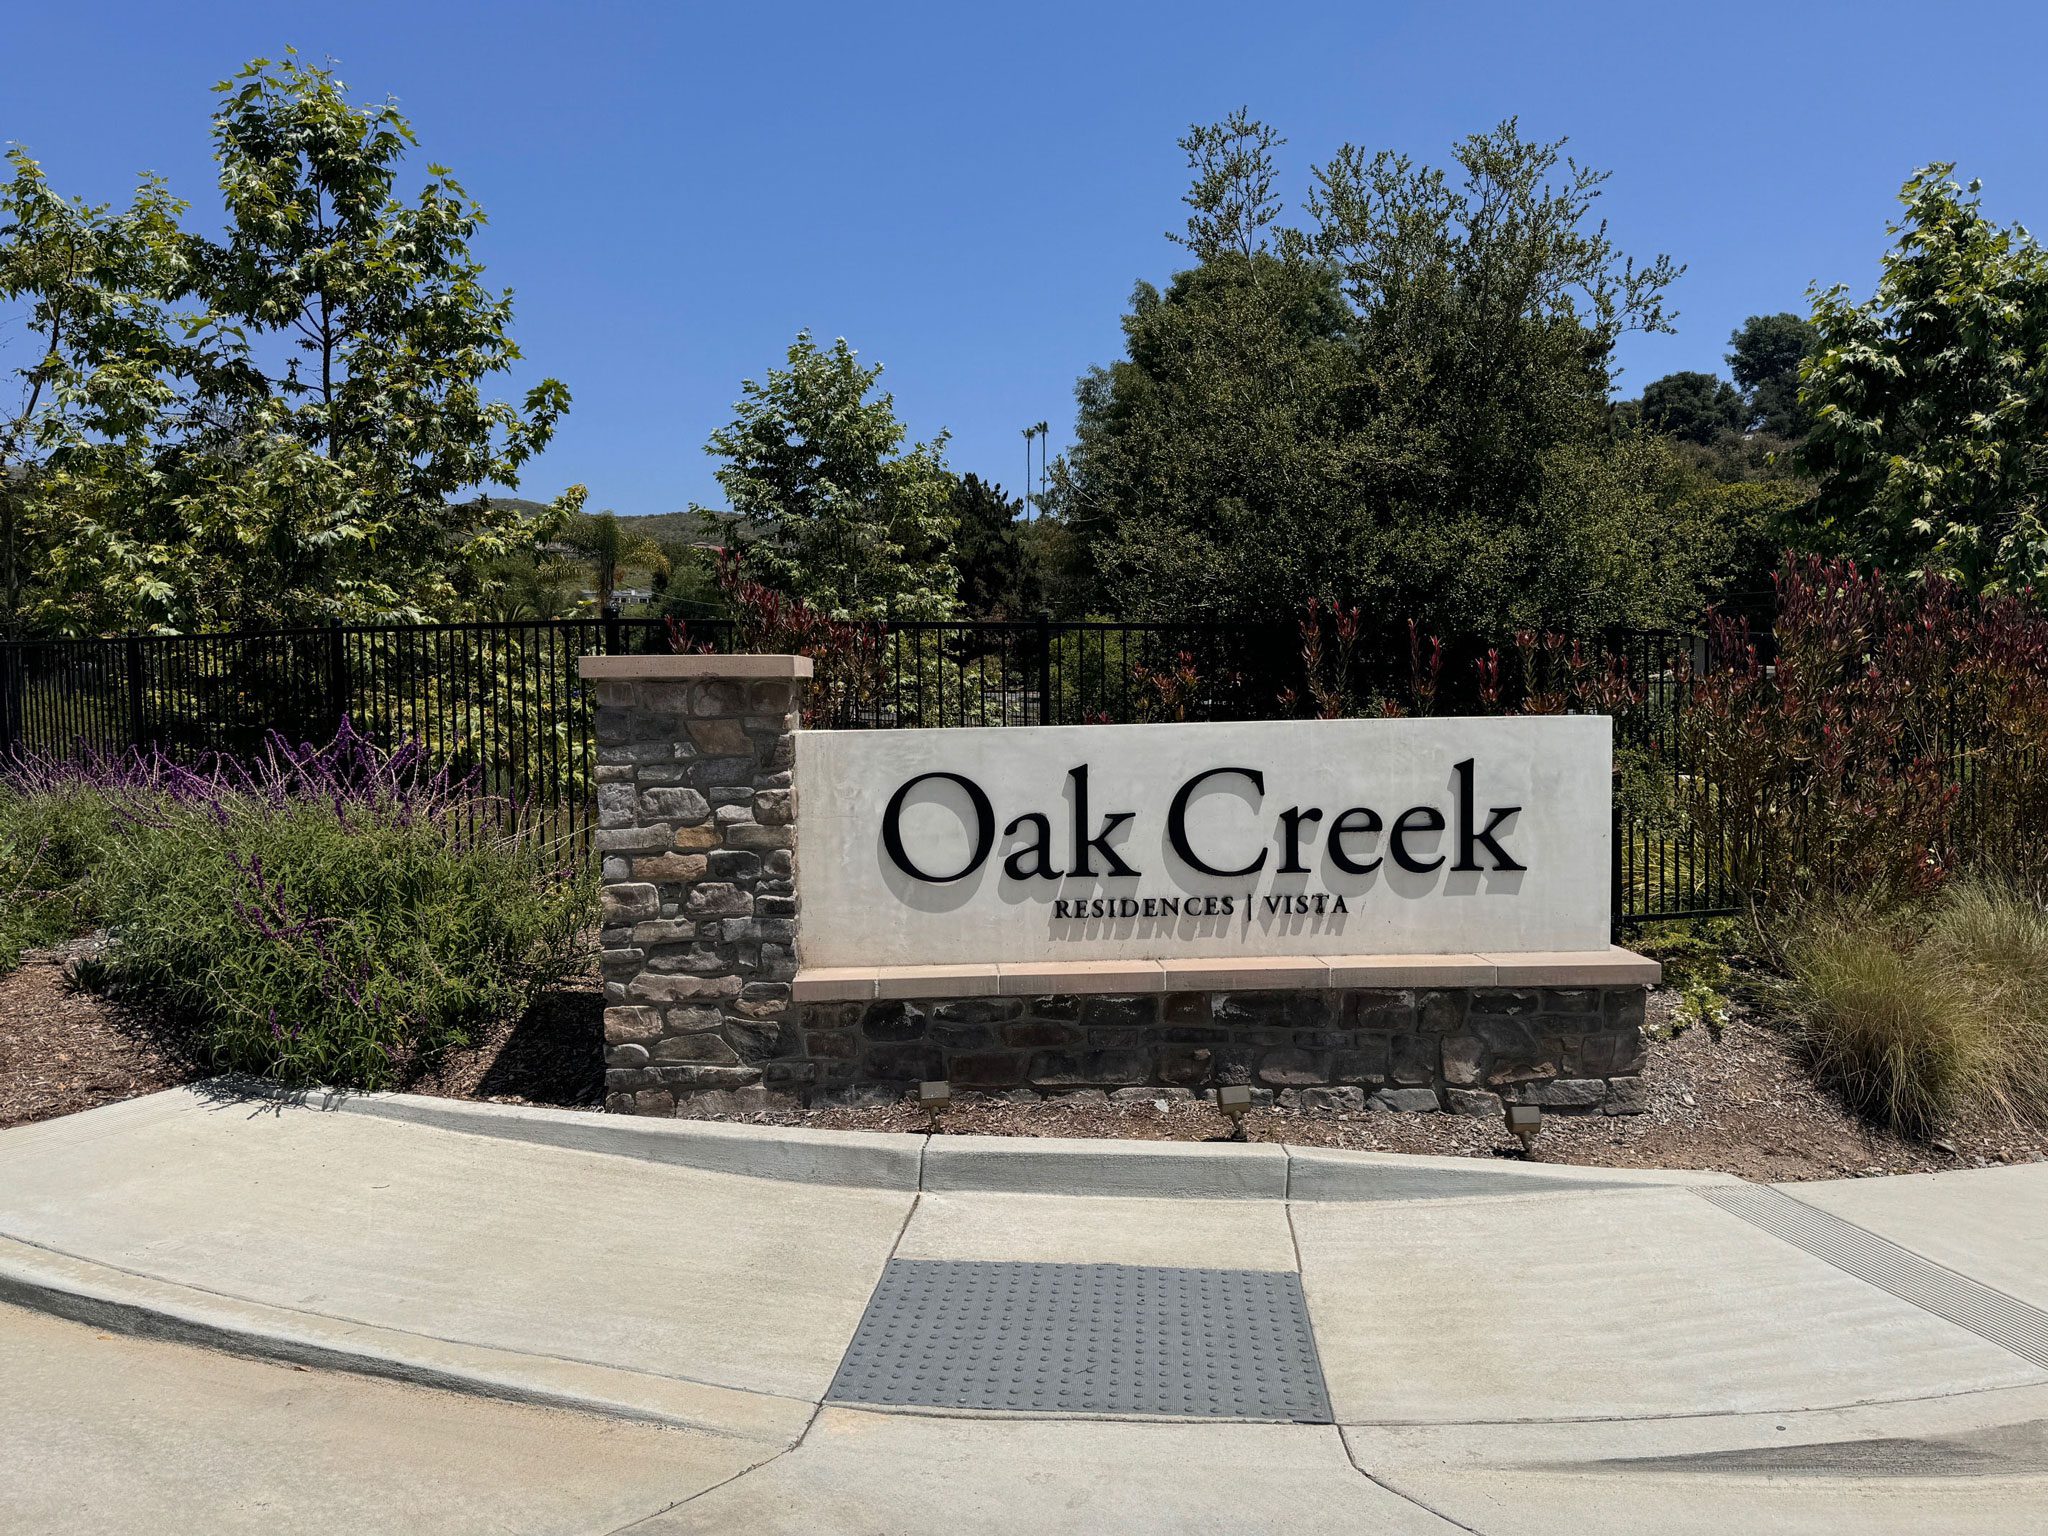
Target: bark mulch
pixel 1737 1099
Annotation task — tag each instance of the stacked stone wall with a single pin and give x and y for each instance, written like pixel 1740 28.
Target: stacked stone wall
pixel 696 813
pixel 1465 1050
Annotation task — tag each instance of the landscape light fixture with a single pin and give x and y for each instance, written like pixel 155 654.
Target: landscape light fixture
pixel 1234 1099
pixel 933 1098
pixel 1525 1120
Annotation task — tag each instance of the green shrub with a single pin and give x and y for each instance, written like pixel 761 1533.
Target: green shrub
pixel 333 916
pixel 55 821
pixel 1924 1011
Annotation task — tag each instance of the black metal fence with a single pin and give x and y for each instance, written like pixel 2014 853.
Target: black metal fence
pixel 504 700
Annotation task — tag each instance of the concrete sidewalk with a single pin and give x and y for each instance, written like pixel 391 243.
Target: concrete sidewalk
pixel 1505 1348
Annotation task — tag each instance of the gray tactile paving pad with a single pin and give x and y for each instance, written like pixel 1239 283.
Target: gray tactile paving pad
pixel 1086 1338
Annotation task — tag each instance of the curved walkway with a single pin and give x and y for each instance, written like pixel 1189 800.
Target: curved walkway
pixel 1505 1347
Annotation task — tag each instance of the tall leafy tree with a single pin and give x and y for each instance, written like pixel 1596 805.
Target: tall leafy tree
pixel 1930 398
pixel 987 550
pixel 1373 407
pixel 269 426
pixel 356 407
pixel 102 374
pixel 1693 407
pixel 1764 355
pixel 850 520
pixel 1211 474
pixel 1490 300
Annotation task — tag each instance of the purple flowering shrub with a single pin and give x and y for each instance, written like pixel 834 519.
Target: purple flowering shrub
pixel 332 914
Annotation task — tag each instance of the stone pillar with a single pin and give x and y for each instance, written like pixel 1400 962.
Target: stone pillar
pixel 696 831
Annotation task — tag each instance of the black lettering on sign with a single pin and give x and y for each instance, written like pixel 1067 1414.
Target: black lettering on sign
pixel 984 828
pixel 1177 821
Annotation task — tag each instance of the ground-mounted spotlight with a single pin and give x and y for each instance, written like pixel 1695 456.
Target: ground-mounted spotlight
pixel 933 1098
pixel 1234 1099
pixel 1524 1121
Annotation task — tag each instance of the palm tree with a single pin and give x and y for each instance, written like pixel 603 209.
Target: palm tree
pixel 607 544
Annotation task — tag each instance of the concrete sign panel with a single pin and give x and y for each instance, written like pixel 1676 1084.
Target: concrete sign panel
pixel 1154 842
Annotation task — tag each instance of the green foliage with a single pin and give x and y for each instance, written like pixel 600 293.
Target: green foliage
pixel 1926 1011
pixel 287 447
pixel 606 544
pixel 1380 407
pixel 1694 407
pixel 92 291
pixel 995 578
pixel 1695 956
pixel 52 831
pixel 1895 739
pixel 324 922
pixel 1619 533
pixel 848 524
pixel 1930 419
pixel 1764 355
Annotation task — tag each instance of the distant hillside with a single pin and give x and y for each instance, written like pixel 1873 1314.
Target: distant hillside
pixel 689 527
pixel 692 527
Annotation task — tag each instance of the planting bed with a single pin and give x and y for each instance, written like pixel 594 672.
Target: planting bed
pixel 1743 1103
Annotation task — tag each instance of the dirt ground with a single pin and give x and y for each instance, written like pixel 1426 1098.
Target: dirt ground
pixel 1738 1099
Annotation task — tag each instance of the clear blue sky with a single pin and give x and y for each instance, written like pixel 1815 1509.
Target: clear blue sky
pixel 968 192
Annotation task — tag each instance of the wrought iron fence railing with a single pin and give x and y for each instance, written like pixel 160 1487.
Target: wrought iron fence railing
pixel 504 701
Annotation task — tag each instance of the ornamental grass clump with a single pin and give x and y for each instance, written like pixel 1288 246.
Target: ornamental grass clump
pixel 335 914
pixel 1923 1013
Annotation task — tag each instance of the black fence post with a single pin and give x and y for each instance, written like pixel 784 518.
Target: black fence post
pixel 1045 668
pixel 1616 900
pixel 138 726
pixel 337 676
pixel 11 691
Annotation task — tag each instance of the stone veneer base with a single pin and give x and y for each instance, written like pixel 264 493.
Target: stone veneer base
pixel 706 1010
pixel 1467 1050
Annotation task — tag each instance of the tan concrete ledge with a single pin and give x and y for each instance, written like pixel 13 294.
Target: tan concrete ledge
pixel 665 668
pixel 1042 978
pixel 1611 967
pixel 1247 973
pixel 1371 971
pixel 833 984
pixel 912 981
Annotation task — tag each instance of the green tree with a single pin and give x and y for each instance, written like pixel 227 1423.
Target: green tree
pixel 1764 355
pixel 1369 409
pixel 274 426
pixel 1490 304
pixel 987 550
pixel 90 294
pixel 1930 399
pixel 320 482
pixel 606 545
pixel 1209 474
pixel 851 522
pixel 1693 407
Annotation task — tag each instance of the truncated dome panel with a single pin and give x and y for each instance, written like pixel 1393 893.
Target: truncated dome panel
pixel 1086 1338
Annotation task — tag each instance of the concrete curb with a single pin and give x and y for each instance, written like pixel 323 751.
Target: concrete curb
pixel 1332 1174
pixel 854 1159
pixel 113 1299
pixel 1153 1170
pixel 906 1162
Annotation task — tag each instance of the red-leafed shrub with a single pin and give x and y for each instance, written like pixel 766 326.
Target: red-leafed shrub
pixel 846 654
pixel 1895 735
